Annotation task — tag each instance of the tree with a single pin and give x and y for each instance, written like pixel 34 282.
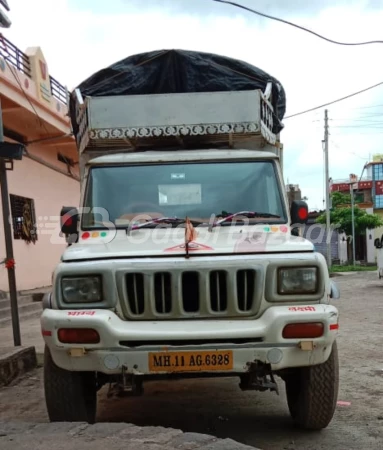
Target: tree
pixel 342 216
pixel 338 198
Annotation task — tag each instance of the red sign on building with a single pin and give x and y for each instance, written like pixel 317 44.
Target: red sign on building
pixel 346 186
pixel 379 187
pixel 365 185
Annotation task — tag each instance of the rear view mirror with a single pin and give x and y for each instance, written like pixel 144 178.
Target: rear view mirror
pixel 299 212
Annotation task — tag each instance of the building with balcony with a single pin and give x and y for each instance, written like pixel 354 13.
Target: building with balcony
pixel 34 113
pixel 368 195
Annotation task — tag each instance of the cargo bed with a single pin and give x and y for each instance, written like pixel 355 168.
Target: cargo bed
pixel 242 119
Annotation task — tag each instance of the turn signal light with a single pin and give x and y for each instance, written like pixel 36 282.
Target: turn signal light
pixel 78 336
pixel 303 330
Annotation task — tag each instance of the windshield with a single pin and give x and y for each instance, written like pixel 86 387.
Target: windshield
pixel 195 190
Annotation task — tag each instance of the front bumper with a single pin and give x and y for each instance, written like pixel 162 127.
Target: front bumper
pixel 127 345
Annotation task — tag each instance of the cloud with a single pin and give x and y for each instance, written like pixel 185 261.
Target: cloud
pixel 80 38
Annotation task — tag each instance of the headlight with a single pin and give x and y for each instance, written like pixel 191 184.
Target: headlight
pixel 298 280
pixel 81 289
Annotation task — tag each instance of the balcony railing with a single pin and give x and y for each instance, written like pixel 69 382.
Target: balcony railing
pixel 15 56
pixel 21 62
pixel 59 91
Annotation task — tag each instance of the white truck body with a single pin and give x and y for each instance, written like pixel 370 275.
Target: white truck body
pixel 221 308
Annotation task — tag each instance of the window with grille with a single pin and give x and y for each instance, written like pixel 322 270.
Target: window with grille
pixel 23 218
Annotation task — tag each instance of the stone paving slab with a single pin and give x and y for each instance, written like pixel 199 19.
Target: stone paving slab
pixel 113 436
pixel 15 361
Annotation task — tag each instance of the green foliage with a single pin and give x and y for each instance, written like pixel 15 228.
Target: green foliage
pixel 342 218
pixel 336 269
pixel 339 198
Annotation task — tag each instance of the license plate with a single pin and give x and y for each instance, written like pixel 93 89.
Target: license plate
pixel 191 361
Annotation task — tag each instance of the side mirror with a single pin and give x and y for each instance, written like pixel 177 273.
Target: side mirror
pixel 299 212
pixel 69 222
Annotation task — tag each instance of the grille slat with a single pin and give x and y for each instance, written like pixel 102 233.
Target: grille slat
pixel 136 293
pixel 192 294
pixel 218 290
pixel 245 289
pixel 163 292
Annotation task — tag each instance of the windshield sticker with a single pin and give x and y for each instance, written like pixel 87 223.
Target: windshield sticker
pixel 177 176
pixel 179 194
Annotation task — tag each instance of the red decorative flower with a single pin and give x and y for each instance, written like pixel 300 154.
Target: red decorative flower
pixel 10 263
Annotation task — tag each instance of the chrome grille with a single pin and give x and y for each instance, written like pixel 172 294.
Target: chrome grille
pixel 188 294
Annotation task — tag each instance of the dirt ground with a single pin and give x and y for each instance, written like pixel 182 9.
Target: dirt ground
pixel 259 419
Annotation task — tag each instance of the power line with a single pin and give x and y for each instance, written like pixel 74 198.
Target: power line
pixel 371 106
pixel 334 101
pixel 365 126
pixel 370 119
pixel 295 25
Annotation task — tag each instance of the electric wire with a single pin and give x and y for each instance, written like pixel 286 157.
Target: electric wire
pixel 334 101
pixel 297 26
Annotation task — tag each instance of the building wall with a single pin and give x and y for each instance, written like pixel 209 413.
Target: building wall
pixel 316 233
pixel 50 190
pixel 370 237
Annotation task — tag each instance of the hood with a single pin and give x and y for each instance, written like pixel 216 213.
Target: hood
pixel 171 242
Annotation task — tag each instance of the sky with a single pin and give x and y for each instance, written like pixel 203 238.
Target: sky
pixel 80 37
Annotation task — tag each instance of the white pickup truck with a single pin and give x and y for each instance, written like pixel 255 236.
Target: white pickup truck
pixel 184 259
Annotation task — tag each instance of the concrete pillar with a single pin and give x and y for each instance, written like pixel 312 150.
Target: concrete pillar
pixel 40 74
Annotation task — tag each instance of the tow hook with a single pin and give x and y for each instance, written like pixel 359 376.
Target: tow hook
pixel 128 385
pixel 258 378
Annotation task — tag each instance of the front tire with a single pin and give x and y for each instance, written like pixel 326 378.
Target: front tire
pixel 69 396
pixel 312 393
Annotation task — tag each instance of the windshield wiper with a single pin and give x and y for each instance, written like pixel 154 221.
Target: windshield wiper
pixel 248 214
pixel 170 220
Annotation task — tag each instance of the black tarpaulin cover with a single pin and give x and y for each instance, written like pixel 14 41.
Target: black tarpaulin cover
pixel 180 71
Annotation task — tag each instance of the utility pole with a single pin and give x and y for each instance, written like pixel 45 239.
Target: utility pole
pixel 353 179
pixel 9 152
pixel 327 176
pixel 4 148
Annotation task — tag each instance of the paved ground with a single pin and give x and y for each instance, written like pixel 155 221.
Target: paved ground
pixel 220 409
pixel 30 331
pixel 71 436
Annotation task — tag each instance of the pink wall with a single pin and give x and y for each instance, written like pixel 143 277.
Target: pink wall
pixel 50 190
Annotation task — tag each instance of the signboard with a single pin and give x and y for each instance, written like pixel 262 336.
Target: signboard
pixel 379 188
pixel 11 151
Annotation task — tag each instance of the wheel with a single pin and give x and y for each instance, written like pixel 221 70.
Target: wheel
pixel 69 396
pixel 312 393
